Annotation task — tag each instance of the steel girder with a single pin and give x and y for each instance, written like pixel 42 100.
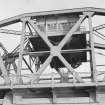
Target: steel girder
pixel 54 50
pixel 98 11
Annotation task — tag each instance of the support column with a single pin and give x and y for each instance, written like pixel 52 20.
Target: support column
pixel 17 96
pixel 100 95
pixel 19 79
pixel 92 94
pixel 8 99
pixel 53 96
pixel 92 53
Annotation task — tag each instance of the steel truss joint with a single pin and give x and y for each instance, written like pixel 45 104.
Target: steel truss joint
pixel 88 13
pixel 26 18
pixel 55 51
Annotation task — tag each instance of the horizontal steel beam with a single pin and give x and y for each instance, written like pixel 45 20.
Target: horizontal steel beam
pixel 99 46
pixel 84 103
pixel 56 85
pixel 12 20
pixel 99 27
pixel 6 31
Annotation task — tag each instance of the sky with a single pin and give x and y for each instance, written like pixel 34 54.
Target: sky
pixel 9 8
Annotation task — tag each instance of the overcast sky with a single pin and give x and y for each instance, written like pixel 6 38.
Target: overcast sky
pixel 10 8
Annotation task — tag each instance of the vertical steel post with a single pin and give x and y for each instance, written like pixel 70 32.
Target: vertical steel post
pixel 19 79
pixel 4 71
pixel 92 53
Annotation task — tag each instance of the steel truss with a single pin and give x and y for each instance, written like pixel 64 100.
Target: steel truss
pixel 25 49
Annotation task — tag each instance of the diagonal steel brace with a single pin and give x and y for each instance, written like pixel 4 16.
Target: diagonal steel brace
pixel 41 69
pixel 55 50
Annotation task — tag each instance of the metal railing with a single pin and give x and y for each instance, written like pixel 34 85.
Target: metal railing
pixel 50 78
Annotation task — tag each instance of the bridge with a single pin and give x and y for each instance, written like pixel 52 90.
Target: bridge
pixel 56 59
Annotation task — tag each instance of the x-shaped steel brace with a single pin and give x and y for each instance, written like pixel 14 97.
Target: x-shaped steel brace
pixel 56 50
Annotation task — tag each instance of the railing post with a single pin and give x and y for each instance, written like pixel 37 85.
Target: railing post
pixel 52 82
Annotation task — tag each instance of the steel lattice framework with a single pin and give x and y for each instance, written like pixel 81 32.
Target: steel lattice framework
pixel 69 84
